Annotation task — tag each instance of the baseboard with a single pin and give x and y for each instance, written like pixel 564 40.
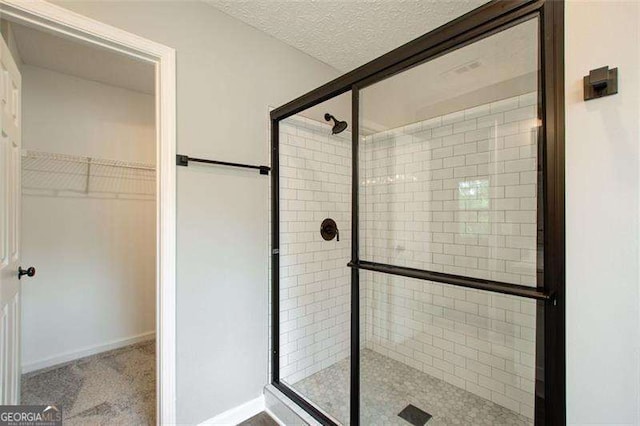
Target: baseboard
pixel 87 351
pixel 238 414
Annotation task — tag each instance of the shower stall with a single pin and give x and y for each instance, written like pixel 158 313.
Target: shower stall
pixel 417 230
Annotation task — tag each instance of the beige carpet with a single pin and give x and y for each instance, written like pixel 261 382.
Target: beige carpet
pixel 115 387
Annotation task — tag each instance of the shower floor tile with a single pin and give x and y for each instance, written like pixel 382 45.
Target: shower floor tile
pixel 388 386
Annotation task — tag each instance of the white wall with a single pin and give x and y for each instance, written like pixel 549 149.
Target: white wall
pixel 95 254
pixel 74 116
pixel 228 73
pixel 602 189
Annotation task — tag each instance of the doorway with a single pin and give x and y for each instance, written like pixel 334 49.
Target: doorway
pixel 88 227
pixel 129 179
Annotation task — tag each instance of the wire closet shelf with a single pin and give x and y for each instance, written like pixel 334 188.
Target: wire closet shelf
pixel 51 174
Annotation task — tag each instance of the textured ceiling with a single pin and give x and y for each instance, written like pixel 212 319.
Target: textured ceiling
pixel 345 33
pixel 67 56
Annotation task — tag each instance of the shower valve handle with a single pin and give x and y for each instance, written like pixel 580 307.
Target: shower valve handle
pixel 329 230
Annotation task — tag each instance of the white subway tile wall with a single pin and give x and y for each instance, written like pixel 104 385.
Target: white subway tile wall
pixel 315 183
pixel 481 342
pixel 455 194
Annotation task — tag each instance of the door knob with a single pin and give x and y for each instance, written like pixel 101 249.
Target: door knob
pixel 31 271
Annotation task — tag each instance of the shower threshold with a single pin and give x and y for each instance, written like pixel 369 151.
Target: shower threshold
pixel 388 386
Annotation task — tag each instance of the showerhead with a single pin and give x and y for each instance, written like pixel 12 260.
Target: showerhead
pixel 338 126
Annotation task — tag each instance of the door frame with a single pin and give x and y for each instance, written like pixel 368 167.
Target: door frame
pixel 51 18
pixel 549 294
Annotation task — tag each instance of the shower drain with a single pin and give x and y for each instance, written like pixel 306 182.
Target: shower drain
pixel 414 415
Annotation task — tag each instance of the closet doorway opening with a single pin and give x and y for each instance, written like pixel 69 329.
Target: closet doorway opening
pixel 88 227
pixel 88 218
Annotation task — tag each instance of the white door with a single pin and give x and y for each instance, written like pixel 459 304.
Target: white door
pixel 11 121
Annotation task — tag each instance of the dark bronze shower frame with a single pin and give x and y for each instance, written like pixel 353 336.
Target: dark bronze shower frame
pixel 550 403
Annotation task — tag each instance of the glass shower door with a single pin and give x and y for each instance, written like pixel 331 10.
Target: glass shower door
pixel 449 183
pixel 314 287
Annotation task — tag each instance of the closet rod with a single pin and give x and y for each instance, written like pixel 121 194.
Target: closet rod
pixel 183 160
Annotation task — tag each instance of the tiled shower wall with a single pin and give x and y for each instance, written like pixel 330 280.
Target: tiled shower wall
pixel 455 194
pixel 315 183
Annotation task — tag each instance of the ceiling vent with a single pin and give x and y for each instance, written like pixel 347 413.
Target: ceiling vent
pixel 469 66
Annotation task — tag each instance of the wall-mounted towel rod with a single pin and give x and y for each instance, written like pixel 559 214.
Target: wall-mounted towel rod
pixel 183 160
